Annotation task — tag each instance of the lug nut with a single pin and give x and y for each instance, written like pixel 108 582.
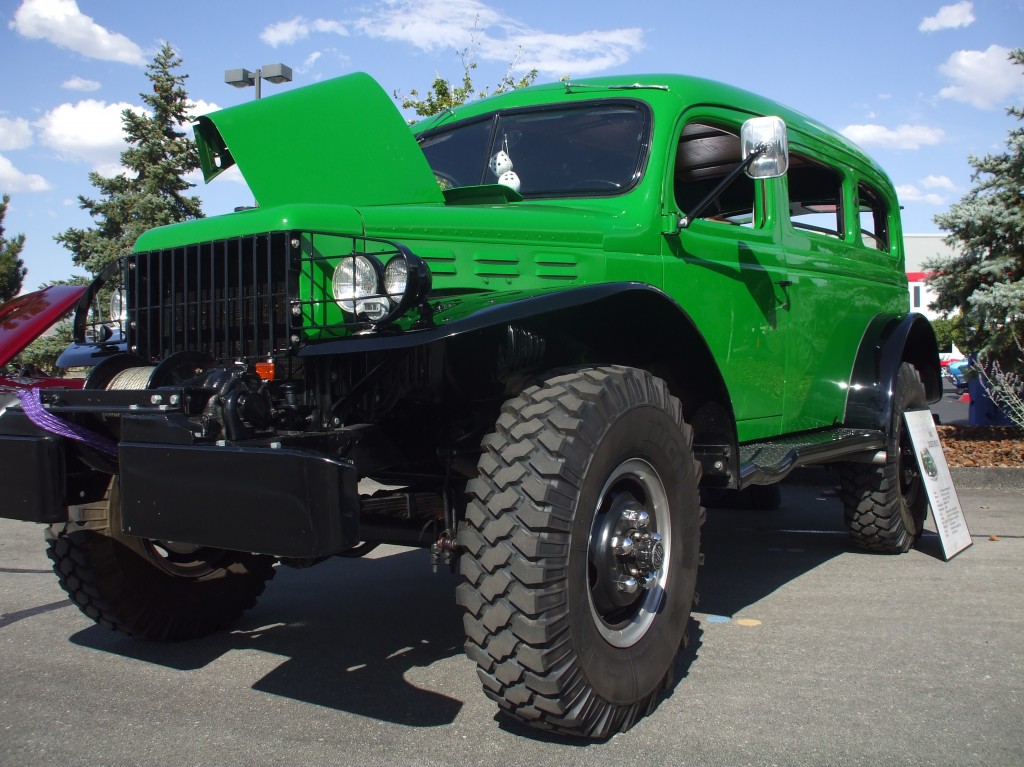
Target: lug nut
pixel 622 546
pixel 638 518
pixel 628 584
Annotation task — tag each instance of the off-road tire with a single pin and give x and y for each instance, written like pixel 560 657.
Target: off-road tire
pixel 885 505
pixel 153 591
pixel 568 460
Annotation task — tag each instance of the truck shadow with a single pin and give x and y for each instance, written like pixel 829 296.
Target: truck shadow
pixel 748 555
pixel 351 631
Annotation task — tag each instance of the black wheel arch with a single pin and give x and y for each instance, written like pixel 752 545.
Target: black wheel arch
pixel 888 342
pixel 612 323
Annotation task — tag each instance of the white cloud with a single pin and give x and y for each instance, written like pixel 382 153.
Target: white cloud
pixel 949 17
pixel 901 137
pixel 580 54
pixel 200 107
pixel 984 79
pixel 80 84
pixel 458 24
pixel 13 180
pixel 937 182
pixel 910 193
pixel 63 24
pixel 299 28
pixel 307 65
pixel 15 134
pixel 89 130
pixel 432 24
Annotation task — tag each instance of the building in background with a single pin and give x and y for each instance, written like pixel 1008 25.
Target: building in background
pixel 919 248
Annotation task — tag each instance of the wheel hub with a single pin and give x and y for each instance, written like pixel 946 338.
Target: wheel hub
pixel 627 553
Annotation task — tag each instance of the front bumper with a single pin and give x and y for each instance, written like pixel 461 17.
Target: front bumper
pixel 283 501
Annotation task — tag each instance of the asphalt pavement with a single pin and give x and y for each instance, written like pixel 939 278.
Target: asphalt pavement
pixel 805 651
pixel 951 408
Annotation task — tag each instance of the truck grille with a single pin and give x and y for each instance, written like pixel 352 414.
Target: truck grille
pixel 227 298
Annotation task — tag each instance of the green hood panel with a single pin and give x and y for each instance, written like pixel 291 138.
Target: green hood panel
pixel 342 141
pixel 315 218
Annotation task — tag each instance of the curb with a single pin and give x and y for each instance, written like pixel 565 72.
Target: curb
pixel 984 479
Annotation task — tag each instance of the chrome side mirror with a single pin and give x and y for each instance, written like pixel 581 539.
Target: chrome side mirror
pixel 765 137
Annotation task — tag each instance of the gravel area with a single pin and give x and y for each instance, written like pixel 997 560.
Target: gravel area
pixel 982 446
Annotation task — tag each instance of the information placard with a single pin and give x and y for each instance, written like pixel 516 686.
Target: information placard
pixel 949 516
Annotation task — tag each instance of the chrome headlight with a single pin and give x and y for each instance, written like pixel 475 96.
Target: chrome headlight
pixel 396 278
pixel 374 287
pixel 355 279
pixel 118 306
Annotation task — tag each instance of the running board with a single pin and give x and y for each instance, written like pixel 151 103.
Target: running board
pixel 767 462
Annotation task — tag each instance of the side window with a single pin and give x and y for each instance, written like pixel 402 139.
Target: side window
pixel 815 197
pixel 705 156
pixel 874 218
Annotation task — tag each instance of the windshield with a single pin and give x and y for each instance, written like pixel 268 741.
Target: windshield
pixel 587 150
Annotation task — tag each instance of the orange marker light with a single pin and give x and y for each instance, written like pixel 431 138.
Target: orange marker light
pixel 265 370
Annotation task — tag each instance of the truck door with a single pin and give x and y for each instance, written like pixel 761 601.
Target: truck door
pixel 727 270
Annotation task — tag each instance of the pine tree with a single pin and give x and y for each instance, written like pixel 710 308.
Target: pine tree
pixel 982 286
pixel 153 191
pixel 12 268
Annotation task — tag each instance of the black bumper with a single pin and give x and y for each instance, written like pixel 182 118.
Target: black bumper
pixel 286 502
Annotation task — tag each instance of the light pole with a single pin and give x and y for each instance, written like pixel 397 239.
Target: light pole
pixel 272 73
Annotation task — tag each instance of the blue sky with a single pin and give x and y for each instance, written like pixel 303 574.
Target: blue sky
pixel 920 84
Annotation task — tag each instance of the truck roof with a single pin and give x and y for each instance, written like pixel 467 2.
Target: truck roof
pixel 663 91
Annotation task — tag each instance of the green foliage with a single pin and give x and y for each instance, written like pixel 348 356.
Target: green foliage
pixel 950 331
pixel 152 193
pixel 983 284
pixel 12 268
pixel 442 95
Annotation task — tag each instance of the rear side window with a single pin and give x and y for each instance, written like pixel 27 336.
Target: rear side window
pixel 874 218
pixel 815 197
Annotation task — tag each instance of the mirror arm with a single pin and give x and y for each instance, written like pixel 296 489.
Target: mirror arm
pixel 700 207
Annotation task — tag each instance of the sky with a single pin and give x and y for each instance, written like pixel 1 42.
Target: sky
pixel 919 84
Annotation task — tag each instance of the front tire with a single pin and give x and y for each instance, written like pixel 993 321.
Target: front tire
pixel 885 506
pixel 153 590
pixel 582 542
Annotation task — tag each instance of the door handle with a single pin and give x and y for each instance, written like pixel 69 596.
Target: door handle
pixel 784 284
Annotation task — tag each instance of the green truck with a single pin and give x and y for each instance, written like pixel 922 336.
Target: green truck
pixel 526 334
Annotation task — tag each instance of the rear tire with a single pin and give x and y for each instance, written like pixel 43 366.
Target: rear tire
pixel 885 506
pixel 151 589
pixel 558 620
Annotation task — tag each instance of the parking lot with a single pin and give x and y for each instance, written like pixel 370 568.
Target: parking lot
pixel 804 651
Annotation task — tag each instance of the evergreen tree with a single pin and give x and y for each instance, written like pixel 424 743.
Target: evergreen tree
pixel 12 268
pixel 982 286
pixel 153 191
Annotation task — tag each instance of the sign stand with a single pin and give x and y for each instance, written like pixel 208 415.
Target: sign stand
pixel 949 516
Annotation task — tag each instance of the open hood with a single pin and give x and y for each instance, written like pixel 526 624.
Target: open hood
pixel 25 318
pixel 342 141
